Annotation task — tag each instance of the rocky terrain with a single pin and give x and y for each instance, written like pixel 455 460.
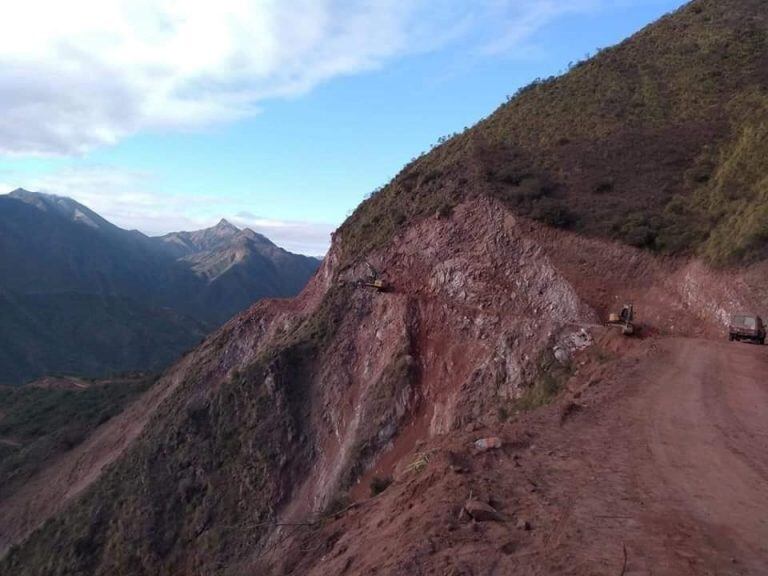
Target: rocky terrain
pixel 354 385
pixel 477 417
pixel 81 296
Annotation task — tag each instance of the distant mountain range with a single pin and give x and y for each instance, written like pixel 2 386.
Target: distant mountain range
pixel 79 295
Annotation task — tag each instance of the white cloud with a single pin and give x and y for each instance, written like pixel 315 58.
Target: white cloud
pixel 125 198
pixel 516 22
pixel 80 74
pixel 311 238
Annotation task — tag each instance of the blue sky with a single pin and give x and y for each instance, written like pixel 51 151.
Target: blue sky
pixel 286 117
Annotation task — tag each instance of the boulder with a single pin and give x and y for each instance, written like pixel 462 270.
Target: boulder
pixel 484 444
pixel 482 512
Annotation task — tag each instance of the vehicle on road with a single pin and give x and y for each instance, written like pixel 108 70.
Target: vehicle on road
pixel 746 327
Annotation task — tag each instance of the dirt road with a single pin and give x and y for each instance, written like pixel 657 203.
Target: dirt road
pixel 708 437
pixel 679 467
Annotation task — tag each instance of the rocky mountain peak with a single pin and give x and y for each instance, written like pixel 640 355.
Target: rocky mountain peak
pixel 62 206
pixel 226 225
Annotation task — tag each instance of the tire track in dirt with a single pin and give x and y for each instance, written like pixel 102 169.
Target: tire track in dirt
pixel 701 404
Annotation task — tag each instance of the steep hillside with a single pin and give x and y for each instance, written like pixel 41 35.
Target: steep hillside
pixel 288 412
pixel 335 433
pixel 88 335
pixel 79 295
pixel 45 419
pixel 659 142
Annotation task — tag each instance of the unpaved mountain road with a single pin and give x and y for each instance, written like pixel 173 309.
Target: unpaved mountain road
pixel 708 434
pixel 673 469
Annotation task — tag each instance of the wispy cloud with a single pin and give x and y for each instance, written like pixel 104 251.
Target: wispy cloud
pixel 86 73
pixel 312 238
pixel 126 198
pixel 516 23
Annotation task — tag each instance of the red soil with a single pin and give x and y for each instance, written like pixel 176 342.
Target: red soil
pixel 661 471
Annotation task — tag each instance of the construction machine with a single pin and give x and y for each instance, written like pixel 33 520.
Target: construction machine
pixel 374 280
pixel 624 319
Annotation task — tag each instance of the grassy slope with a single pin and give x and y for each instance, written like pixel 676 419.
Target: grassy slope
pixel 660 142
pixel 87 335
pixel 41 423
pixel 200 487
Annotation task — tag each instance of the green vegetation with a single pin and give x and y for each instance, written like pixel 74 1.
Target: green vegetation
pixel 39 423
pixel 379 484
pixel 203 482
pixel 503 413
pixel 550 379
pixel 660 142
pixel 88 335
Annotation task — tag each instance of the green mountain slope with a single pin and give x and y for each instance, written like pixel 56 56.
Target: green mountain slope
pixel 40 423
pixel 79 295
pixel 660 142
pixel 88 335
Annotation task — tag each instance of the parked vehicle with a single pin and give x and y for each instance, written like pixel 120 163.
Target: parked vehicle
pixel 747 327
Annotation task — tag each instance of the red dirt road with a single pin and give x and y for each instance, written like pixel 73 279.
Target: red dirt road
pixel 707 433
pixel 679 463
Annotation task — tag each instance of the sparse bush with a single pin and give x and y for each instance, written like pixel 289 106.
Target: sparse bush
pixel 445 211
pixel 553 213
pixel 430 176
pixel 549 381
pixel 639 230
pixel 379 484
pixel 509 174
pixel 503 413
pixel 398 217
pixel 339 502
pixel 604 187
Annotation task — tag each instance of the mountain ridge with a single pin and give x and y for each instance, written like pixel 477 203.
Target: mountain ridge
pixel 53 249
pixel 660 152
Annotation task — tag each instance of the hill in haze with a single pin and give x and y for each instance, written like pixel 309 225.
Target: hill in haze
pixel 78 295
pixel 336 433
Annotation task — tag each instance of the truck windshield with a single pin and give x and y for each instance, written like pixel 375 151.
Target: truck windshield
pixel 745 321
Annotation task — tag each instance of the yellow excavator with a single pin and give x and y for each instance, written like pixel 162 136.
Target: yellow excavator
pixel 374 280
pixel 624 319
